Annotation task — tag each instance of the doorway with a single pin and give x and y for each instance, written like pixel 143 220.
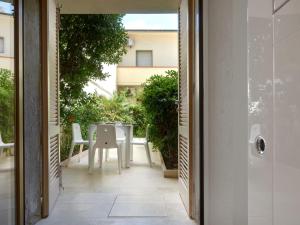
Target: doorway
pixel 51 141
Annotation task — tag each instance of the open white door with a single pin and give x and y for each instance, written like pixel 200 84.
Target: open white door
pixel 185 128
pixel 51 167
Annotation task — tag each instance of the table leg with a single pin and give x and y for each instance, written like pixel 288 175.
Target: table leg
pixel 131 146
pixel 90 153
pixel 128 145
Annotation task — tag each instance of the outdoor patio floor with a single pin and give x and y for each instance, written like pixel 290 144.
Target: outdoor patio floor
pixel 139 196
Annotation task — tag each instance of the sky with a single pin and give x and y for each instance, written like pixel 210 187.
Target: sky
pixel 132 21
pixel 5 7
pixel 151 21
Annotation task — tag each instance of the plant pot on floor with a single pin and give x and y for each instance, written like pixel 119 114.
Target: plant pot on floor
pixel 168 173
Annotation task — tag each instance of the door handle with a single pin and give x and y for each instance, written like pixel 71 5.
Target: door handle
pixel 260 145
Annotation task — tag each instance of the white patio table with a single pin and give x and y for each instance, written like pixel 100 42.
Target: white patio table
pixel 128 131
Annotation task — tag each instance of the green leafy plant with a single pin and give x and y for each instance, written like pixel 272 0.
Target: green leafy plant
pixel 138 115
pixel 159 100
pixel 7 96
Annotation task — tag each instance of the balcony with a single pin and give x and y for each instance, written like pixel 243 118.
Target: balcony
pixel 135 76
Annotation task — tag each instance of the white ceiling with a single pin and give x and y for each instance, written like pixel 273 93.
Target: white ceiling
pixel 118 6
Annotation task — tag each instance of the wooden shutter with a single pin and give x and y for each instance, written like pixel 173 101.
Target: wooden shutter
pixel 51 167
pixel 185 116
pixel 53 104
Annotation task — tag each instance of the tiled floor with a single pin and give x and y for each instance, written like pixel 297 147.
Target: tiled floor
pixel 139 196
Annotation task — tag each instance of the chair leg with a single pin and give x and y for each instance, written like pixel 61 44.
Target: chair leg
pixel 80 151
pixel 100 156
pixel 106 154
pixel 119 158
pixel 91 166
pixel 131 152
pixel 148 154
pixel 70 153
pixel 11 152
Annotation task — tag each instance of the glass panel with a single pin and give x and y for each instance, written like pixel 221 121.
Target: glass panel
pixel 7 114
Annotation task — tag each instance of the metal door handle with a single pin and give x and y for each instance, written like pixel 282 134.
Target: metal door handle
pixel 260 145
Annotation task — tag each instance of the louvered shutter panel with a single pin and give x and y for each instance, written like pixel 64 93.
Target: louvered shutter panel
pixel 53 103
pixel 185 109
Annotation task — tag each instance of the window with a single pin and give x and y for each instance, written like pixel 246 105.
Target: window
pixel 1 44
pixel 144 58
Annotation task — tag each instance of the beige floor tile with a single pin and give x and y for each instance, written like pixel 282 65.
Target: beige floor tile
pixel 139 196
pixel 138 209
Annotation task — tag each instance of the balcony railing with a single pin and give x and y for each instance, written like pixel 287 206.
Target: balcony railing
pixel 135 76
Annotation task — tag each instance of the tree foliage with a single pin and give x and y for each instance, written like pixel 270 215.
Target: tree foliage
pixel 86 42
pixel 159 99
pixel 7 96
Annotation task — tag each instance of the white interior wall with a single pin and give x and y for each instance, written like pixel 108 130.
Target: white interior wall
pixel 286 153
pixel 260 115
pixel 226 116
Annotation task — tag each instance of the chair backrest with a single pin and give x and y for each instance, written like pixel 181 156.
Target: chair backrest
pixel 106 136
pixel 120 133
pixel 76 132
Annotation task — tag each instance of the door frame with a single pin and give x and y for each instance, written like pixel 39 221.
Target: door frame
pixel 195 14
pixel 19 115
pixel 196 65
pixel 199 87
pixel 45 127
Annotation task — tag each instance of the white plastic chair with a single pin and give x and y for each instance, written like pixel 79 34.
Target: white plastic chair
pixel 106 138
pixel 5 145
pixel 120 135
pixel 76 140
pixel 145 143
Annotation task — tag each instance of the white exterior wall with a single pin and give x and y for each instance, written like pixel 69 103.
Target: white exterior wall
pixel 105 87
pixel 164 46
pixel 7 32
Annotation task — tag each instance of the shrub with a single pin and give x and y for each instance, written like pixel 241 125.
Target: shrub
pixel 159 100
pixel 138 115
pixel 7 105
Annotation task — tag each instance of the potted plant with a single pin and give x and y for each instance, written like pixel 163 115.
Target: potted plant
pixel 160 101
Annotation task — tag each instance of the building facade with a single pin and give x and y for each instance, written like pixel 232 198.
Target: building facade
pixel 149 52
pixel 7 42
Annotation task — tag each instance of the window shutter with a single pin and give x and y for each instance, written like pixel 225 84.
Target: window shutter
pixel 51 162
pixel 185 116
